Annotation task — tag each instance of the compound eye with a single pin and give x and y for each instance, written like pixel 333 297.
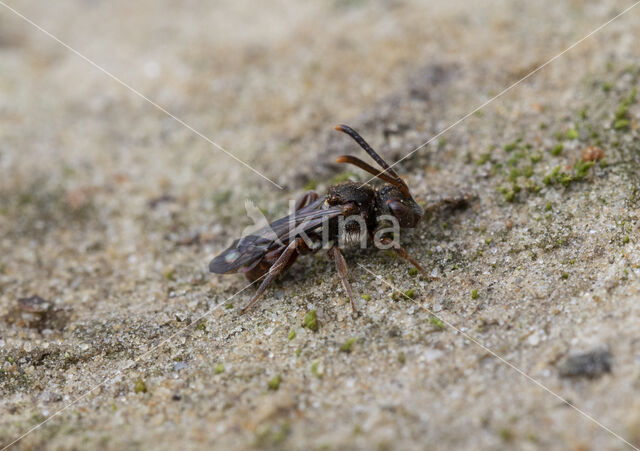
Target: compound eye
pixel 402 213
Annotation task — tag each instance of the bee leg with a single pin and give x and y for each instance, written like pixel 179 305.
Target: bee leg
pixel 341 266
pixel 459 200
pixel 402 253
pixel 283 262
pixel 306 199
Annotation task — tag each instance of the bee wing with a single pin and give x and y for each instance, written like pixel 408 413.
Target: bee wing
pixel 247 250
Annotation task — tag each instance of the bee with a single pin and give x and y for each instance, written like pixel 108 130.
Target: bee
pixel 315 223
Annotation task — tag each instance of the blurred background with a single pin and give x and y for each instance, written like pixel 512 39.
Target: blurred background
pixel 110 209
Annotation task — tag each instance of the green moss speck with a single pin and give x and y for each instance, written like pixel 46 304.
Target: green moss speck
pixel 621 124
pixel 347 346
pixel 572 133
pixel 291 335
pixel 219 369
pixel 413 271
pixel 557 149
pixel 606 86
pixel 202 326
pixel 274 382
pixel 548 206
pixel 366 297
pixel 402 358
pixel 582 169
pixel 437 323
pixel 410 293
pixel 483 159
pixel 474 294
pixel 506 434
pixel 565 276
pixel 625 240
pixel 533 188
pixel 272 437
pixel 310 320
pixel 140 386
pixel 315 370
pixel 311 184
pixel 622 111
pixel 510 147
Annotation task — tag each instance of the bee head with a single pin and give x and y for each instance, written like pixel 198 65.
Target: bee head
pixel 401 206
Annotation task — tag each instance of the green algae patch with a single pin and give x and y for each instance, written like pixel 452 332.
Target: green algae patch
pixel 557 149
pixel 315 370
pixel 140 386
pixel 572 133
pixel 621 124
pixel 274 382
pixel 347 346
pixel 437 323
pixel 310 321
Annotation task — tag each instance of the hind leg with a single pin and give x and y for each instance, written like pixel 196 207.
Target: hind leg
pixel 284 261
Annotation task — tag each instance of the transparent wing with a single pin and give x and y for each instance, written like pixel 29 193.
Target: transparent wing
pixel 247 250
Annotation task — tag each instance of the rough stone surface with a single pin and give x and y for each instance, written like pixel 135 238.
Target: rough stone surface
pixel 110 211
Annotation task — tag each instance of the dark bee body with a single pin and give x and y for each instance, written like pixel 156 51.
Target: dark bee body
pixel 361 200
pixel 317 221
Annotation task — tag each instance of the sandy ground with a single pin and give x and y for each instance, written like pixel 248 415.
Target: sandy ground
pixel 110 211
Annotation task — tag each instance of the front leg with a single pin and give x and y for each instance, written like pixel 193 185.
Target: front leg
pixel 402 253
pixel 452 202
pixel 341 266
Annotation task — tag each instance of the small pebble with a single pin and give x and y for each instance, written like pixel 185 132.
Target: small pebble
pixel 592 153
pixel 590 364
pixel 34 304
